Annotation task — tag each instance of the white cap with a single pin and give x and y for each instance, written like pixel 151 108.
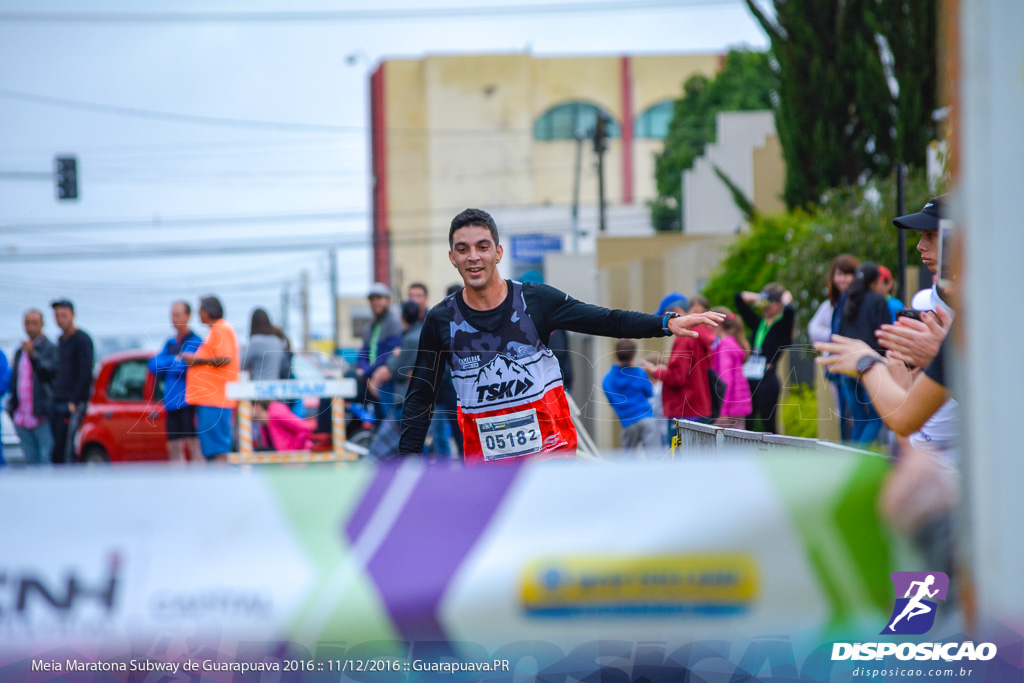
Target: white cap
pixel 379 289
pixel 922 301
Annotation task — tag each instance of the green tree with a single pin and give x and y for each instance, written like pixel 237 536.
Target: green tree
pixel 796 248
pixel 837 119
pixel 745 83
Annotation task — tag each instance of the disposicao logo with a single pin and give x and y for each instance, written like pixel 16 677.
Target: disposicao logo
pixel 712 584
pixel 913 614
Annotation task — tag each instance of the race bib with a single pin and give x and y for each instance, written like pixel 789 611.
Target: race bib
pixel 754 367
pixel 509 436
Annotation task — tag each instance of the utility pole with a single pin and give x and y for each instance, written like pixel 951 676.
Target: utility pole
pixel 304 295
pixel 285 305
pixel 334 301
pixel 901 237
pixel 576 192
pixel 600 145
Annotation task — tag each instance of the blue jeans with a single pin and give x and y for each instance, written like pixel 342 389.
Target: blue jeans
pixel 36 443
pixel 865 422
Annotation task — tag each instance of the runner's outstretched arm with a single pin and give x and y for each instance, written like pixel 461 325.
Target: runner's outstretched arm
pixel 558 310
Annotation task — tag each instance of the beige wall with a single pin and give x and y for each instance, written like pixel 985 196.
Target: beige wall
pixel 770 176
pixel 460 133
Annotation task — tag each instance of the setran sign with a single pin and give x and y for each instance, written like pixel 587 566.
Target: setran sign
pixel 291 389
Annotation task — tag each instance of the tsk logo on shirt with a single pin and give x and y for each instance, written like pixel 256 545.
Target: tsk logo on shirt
pixel 502 378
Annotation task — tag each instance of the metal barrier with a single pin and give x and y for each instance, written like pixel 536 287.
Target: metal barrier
pixel 694 438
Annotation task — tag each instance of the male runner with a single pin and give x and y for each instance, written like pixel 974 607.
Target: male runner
pixel 494 334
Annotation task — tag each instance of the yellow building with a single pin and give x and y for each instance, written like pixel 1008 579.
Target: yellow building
pixel 498 132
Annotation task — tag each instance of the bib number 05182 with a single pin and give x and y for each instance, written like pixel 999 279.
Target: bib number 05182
pixel 509 436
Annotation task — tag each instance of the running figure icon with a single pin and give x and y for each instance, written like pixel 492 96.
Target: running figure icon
pixel 915 606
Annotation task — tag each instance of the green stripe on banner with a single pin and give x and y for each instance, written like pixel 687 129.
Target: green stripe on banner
pixel 343 603
pixel 864 531
pixel 832 502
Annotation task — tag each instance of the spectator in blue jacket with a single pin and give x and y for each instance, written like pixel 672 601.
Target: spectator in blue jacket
pixel 181 417
pixel 630 391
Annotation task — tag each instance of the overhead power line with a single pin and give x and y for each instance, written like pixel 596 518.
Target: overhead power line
pixel 170 116
pixel 394 14
pixel 233 247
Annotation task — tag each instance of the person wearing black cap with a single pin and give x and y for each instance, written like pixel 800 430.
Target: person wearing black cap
pixel 772 333
pixel 905 407
pixel 926 221
pixel 72 383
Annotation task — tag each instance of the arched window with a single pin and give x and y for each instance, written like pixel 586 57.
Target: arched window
pixel 653 123
pixel 562 121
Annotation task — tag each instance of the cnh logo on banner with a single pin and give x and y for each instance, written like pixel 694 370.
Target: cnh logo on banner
pixel 914 613
pixel 917 598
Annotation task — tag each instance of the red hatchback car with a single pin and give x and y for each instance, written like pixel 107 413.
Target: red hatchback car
pixel 125 420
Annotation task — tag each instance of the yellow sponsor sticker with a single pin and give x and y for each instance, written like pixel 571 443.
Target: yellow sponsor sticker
pixel 710 584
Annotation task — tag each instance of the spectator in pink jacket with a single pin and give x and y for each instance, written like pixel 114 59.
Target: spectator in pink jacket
pixel 727 359
pixel 281 429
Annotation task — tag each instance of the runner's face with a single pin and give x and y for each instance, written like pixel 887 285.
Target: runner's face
pixel 475 255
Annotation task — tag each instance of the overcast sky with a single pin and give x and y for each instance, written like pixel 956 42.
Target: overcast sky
pixel 59 81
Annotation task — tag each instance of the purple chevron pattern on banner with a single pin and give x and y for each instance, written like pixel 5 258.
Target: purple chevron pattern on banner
pixel 371 499
pixel 441 521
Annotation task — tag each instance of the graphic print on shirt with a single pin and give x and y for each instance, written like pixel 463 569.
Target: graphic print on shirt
pixel 511 401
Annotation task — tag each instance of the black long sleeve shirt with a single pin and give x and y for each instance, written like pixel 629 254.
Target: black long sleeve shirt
pixel 548 308
pixel 74 369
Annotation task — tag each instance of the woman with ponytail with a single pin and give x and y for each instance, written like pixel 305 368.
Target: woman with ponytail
pixel 861 312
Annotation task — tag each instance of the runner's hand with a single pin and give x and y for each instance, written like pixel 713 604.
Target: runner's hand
pixel 682 325
pixel 918 341
pixel 844 354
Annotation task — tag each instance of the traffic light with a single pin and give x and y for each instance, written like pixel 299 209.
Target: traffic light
pixel 67 178
pixel 601 134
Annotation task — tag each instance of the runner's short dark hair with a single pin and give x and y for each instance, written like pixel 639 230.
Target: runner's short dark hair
pixel 188 308
pixel 473 217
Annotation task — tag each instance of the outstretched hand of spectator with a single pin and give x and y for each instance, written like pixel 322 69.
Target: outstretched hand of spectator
pixel 917 341
pixel 843 354
pixel 682 325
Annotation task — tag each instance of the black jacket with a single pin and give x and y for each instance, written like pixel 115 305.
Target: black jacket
pixel 74 369
pixel 44 369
